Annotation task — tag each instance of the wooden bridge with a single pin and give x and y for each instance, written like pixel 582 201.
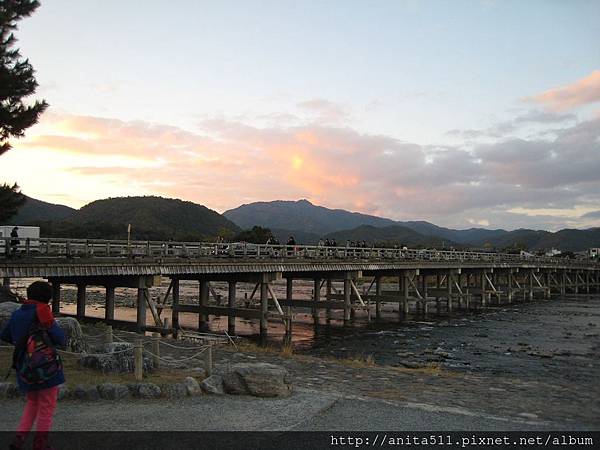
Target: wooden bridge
pixel 420 279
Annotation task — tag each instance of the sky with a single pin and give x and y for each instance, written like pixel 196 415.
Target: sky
pixel 463 113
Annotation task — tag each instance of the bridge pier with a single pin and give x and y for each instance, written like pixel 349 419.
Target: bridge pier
pixel 203 293
pixel 264 309
pixel 55 297
pixel 231 293
pixel 142 294
pixel 316 300
pixel 175 307
pixel 328 298
pixel 377 300
pixel 347 305
pixel 289 294
pixel 109 309
pixel 81 287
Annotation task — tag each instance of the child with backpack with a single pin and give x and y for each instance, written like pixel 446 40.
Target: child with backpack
pixel 35 334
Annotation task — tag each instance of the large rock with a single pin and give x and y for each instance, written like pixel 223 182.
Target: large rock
pixel 112 391
pixel 75 339
pixel 174 390
pixel 144 390
pixel 213 385
pixel 85 393
pixel 9 390
pixel 6 310
pixel 258 379
pixel 192 386
pixel 116 357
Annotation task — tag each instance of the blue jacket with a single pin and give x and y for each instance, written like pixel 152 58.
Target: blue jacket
pixel 18 326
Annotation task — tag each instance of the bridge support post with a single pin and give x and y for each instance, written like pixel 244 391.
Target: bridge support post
pixel 531 288
pixel 438 310
pixel 231 292
pixel 563 282
pixel 424 291
pixel 509 285
pixel 347 293
pixel 142 293
pixel 316 299
pixel 264 309
pixel 328 297
pixel 175 307
pixel 55 297
pixel 6 284
pixel 289 295
pixel 587 281
pixel 483 288
pixel 109 304
pixel 377 299
pixel 203 293
pixel 450 279
pixel 404 303
pixel 81 301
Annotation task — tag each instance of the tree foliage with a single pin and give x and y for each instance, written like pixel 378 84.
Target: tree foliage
pixel 257 235
pixel 17 79
pixel 11 199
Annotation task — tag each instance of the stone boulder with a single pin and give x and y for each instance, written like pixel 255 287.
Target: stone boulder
pixel 258 379
pixel 192 386
pixel 213 385
pixel 112 391
pixel 6 310
pixel 75 339
pixel 174 390
pixel 144 390
pixel 85 393
pixel 9 390
pixel 116 357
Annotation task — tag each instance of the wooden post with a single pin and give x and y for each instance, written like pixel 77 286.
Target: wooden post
pixel 405 285
pixel 264 309
pixel 483 288
pixel 175 306
pixel 6 280
pixel 328 296
pixel 108 336
pixel 424 280
pixel 531 285
pixel 138 351
pixel 141 309
pixel 289 289
pixel 316 299
pixel 156 350
pixel 203 292
pixel 231 304
pixel 449 280
pixel 377 299
pixel 109 310
pixel 208 361
pixel 347 305
pixel 55 297
pixel 80 301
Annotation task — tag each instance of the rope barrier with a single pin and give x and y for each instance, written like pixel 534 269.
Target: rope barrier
pixel 174 361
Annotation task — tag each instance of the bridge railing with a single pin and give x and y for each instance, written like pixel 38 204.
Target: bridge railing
pixel 100 248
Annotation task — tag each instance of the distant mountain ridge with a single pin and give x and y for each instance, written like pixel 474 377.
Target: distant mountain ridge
pixel 305 219
pixel 158 218
pixel 36 210
pixel 151 218
pixel 300 215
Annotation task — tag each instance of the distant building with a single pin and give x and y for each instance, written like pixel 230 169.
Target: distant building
pixel 594 252
pixel 553 252
pixel 526 254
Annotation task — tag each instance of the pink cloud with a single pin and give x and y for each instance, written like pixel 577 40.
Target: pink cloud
pixel 581 92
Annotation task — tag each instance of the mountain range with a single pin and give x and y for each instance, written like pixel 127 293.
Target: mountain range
pixel 162 219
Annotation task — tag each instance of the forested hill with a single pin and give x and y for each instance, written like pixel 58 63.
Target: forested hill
pixel 153 218
pixel 36 210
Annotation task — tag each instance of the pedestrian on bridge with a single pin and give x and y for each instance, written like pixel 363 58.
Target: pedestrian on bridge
pixel 34 333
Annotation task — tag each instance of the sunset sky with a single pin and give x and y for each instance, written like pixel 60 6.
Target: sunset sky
pixel 463 113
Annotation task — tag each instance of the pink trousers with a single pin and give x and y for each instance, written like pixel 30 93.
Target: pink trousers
pixel 40 409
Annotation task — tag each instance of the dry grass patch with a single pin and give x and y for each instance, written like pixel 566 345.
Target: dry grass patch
pixel 75 374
